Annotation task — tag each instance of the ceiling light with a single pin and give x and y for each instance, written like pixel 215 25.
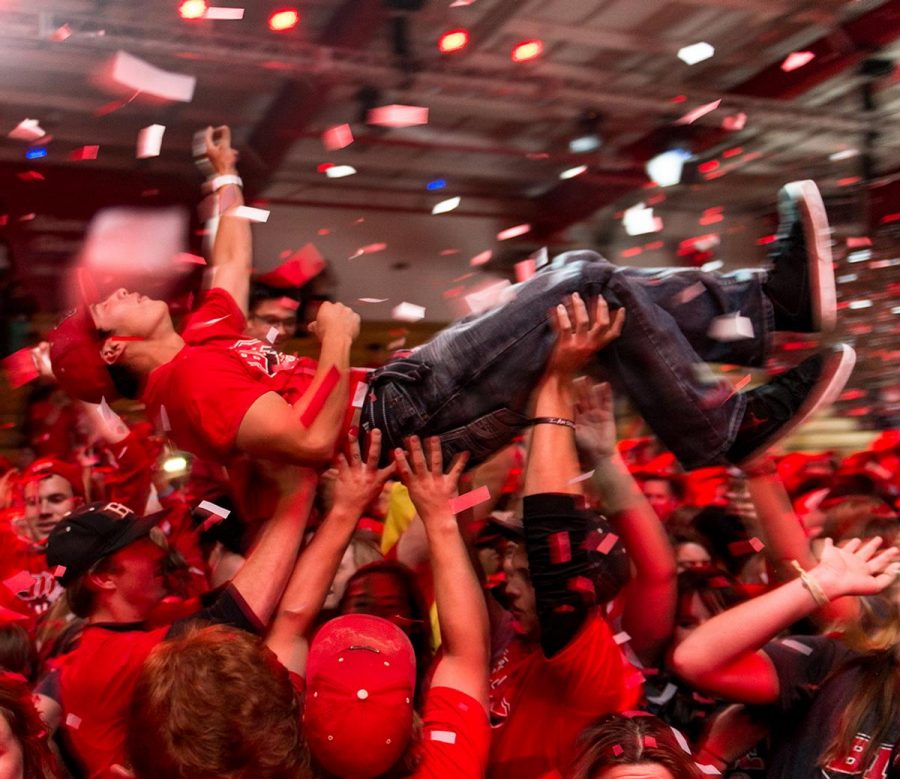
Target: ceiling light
pixel 284 20
pixel 527 50
pixel 192 9
pixel 455 40
pixel 696 52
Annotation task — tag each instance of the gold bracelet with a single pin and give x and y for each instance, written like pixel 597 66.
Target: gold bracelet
pixel 813 587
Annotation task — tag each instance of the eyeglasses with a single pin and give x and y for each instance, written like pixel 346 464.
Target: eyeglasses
pixel 289 323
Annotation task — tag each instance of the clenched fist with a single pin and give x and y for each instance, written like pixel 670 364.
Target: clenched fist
pixel 335 320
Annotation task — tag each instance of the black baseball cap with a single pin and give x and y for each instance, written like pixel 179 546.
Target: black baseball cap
pixel 92 532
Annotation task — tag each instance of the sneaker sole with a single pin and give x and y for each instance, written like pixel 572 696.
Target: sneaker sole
pixel 837 369
pixel 818 240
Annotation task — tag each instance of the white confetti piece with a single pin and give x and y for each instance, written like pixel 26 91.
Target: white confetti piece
pixel 582 477
pixel 797 59
pixel 398 116
pixel 541 257
pixel 665 696
pixel 621 638
pixel 396 344
pixel 639 220
pixel 149 141
pixel 487 297
pixel 210 322
pixel 371 248
pixel 692 116
pixel 359 396
pixel 714 265
pixel 338 137
pixel 340 171
pixel 249 213
pixel 709 770
pixel 682 741
pixel 696 52
pixel 797 646
pixel 731 327
pixel 73 721
pixel 408 312
pixel 446 205
pixel 272 335
pixel 141 76
pixel 444 736
pixel 513 232
pixel 164 419
pixel 481 259
pixel 27 130
pixel 372 300
pixel 212 508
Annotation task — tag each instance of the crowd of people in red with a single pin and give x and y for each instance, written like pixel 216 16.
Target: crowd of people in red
pixel 448 566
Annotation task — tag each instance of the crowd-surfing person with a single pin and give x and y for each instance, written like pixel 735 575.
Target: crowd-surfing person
pixel 484 582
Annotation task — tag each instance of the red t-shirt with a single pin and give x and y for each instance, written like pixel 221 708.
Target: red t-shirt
pixel 540 705
pixel 208 387
pixel 455 736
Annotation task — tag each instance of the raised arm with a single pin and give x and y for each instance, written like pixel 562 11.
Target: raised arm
pixel 356 486
pixel 724 656
pixel 232 253
pixel 650 596
pixel 462 613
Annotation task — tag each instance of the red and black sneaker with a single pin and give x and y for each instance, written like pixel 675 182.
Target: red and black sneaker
pixel 801 282
pixel 778 408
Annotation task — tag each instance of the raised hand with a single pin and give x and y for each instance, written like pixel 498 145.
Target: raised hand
pixel 358 483
pixel 429 488
pixel 578 337
pixel 856 568
pixel 218 149
pixel 595 422
pixel 335 319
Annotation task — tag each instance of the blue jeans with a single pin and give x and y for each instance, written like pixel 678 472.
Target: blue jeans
pixel 471 383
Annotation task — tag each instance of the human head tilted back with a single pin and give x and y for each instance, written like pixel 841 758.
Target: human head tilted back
pixel 360 687
pixel 103 540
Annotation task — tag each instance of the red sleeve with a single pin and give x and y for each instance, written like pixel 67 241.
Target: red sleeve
pixel 591 673
pixel 455 736
pixel 217 316
pixel 129 483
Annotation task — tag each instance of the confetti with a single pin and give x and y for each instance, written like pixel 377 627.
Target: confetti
pixel 679 737
pixel 85 153
pixel 30 175
pixel 730 327
pixel 696 52
pixel 797 59
pixel 372 300
pixel 649 742
pixel 617 750
pixel 408 312
pixel 338 137
pixel 469 499
pixel 525 270
pixel 321 395
pixel 621 638
pixel 398 343
pixel 249 213
pixel 605 545
pixel 581 477
pixel 20 582
pixel 734 122
pixel 692 116
pixel 560 547
pixel 141 76
pixel 73 721
pixel 581 584
pixel 212 508
pixel 689 293
pixel 488 296
pixel 858 243
pixel 20 368
pixel 371 248
pixel 149 141
pixel 639 220
pixel 164 419
pixel 272 335
pixel 210 322
pixel 513 232
pixel 709 770
pixel 446 205
pixel 359 396
pixel 60 570
pixel 27 130
pixel 665 696
pixel 738 548
pixel 481 259
pixel 61 33
pixel 803 649
pixel 186 258
pixel 339 171
pixel 444 736
pixel 398 116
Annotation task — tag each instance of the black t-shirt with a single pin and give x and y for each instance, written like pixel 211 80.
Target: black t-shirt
pixel 817 684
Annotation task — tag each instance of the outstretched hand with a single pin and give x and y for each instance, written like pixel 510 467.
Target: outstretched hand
pixel 358 483
pixel 429 488
pixel 856 568
pixel 595 421
pixel 578 338
pixel 221 156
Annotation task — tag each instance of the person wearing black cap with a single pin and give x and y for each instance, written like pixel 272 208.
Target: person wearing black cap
pixel 111 563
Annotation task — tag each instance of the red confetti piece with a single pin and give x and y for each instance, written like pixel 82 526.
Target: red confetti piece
pixel 739 548
pixel 85 153
pixel 30 175
pixel 617 750
pixel 60 570
pixel 398 116
pixel 20 582
pixel 337 137
pixel 61 33
pixel 858 243
pixel 525 270
pixel 649 742
pixel 692 116
pixel 469 499
pixel 513 232
pixel 606 544
pixel 481 259
pixel 560 547
pixel 581 584
pixel 321 395
pixel 20 368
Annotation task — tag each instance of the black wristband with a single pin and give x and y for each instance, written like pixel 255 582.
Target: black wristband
pixel 561 421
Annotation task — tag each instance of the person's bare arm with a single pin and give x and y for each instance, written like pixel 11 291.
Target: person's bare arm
pixel 460 602
pixel 724 657
pixel 785 539
pixel 650 596
pixel 731 734
pixel 274 429
pixel 357 484
pixel 262 578
pixel 231 262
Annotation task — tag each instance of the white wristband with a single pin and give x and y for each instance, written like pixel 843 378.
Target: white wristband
pixel 217 182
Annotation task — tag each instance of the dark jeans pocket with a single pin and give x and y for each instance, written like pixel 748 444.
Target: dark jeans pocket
pixel 483 436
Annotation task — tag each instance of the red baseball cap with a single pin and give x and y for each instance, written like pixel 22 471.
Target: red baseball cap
pixel 360 685
pixel 50 466
pixel 75 346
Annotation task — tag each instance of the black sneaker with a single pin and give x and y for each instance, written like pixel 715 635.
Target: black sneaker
pixel 778 408
pixel 801 282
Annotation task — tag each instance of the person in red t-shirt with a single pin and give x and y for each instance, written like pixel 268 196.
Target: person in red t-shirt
pixel 111 563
